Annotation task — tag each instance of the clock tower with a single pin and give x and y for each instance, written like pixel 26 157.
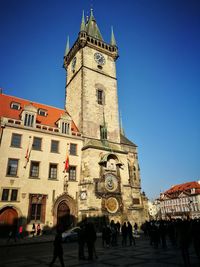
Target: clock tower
pixel 91 88
pixel 110 178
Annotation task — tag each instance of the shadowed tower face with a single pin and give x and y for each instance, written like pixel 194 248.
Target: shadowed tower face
pixel 91 85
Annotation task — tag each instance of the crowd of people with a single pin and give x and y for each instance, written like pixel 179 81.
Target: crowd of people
pixel 17 232
pixel 181 233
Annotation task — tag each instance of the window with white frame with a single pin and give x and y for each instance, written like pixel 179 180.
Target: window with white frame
pixel 12 167
pixel 72 173
pixel 65 127
pixel 28 119
pixel 34 169
pixel 15 105
pixel 54 146
pixel 16 140
pixel 53 171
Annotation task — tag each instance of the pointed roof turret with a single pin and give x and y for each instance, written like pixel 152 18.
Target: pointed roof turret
pixel 112 41
pixel 92 28
pixel 83 22
pixel 67 46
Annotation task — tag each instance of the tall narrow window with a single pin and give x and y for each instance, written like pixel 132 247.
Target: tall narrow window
pixel 103 132
pixel 73 149
pixel 54 146
pixel 34 169
pixel 65 128
pixel 12 167
pixel 37 143
pixel 28 120
pixel 5 195
pixel 100 97
pixel 72 173
pixel 14 194
pixel 16 140
pixel 52 171
pixel 37 207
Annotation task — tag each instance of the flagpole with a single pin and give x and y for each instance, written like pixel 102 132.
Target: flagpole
pixel 28 152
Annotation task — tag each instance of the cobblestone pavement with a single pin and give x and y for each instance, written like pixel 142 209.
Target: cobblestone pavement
pixel 140 255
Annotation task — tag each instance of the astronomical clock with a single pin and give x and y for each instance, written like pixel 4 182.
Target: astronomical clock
pixel 108 186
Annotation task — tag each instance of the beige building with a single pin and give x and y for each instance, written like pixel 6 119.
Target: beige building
pixel 38 142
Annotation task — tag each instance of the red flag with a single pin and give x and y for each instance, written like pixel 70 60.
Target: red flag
pixel 66 164
pixel 28 152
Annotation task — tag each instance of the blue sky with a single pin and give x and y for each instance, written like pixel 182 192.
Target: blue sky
pixel 158 72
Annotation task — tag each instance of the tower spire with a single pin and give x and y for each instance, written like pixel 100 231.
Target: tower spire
pixel 112 41
pixel 67 46
pixel 83 22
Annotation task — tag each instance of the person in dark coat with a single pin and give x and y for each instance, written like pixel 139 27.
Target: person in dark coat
pixel 130 234
pixel 58 249
pixel 124 234
pixel 81 242
pixel 90 235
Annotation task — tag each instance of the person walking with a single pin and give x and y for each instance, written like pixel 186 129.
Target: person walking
pixel 38 229
pixel 58 249
pixel 130 234
pixel 33 230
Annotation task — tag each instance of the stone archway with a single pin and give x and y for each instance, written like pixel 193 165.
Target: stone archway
pixel 8 219
pixel 65 211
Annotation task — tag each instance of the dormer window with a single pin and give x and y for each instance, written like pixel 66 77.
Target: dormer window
pixel 28 120
pixel 42 112
pixel 15 106
pixel 28 115
pixel 64 123
pixel 65 127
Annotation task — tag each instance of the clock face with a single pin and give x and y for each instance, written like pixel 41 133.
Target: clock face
pixel 111 182
pixel 112 205
pixel 99 58
pixel 73 63
pixel 83 195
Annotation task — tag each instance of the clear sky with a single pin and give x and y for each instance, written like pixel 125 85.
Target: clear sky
pixel 158 72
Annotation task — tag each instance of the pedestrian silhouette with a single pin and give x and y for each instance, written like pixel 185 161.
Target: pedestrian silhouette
pixel 58 249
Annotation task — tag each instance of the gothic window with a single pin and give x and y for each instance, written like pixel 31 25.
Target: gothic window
pixel 73 149
pixel 37 142
pixel 28 120
pixel 72 173
pixel 52 171
pixel 34 169
pixel 100 97
pixel 12 167
pixel 54 146
pixel 16 140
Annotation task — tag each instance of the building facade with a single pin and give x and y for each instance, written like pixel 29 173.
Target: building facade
pixel 180 201
pixel 60 166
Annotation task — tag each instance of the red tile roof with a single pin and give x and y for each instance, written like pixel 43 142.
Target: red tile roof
pixel 183 187
pixel 53 114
